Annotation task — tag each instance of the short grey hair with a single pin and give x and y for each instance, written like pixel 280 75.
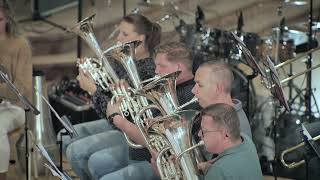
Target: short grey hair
pixel 224 115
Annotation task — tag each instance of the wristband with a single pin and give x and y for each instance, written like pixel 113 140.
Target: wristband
pixel 110 118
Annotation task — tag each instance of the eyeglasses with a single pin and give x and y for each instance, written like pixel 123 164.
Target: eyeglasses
pixel 207 131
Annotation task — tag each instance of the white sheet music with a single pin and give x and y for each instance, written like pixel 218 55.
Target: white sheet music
pixel 64 121
pixel 51 166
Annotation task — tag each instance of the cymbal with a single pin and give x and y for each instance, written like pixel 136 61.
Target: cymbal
pixel 296 2
pixel 168 5
pixel 298 37
pixel 152 3
pixel 304 26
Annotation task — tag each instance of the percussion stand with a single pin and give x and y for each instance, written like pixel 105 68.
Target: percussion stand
pixel 28 107
pixel 308 94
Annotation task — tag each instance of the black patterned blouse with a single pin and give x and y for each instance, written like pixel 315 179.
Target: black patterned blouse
pixel 146 70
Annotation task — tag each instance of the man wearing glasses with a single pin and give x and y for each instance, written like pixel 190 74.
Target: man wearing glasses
pixel 237 156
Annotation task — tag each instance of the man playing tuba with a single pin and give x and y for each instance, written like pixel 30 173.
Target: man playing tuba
pixel 170 57
pixel 237 156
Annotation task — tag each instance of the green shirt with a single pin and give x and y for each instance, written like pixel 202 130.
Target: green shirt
pixel 240 162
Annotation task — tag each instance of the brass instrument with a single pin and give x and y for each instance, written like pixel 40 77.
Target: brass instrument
pixel 289 150
pixel 289 61
pixel 272 81
pixel 170 134
pixel 104 75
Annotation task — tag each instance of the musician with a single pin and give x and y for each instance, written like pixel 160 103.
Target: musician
pixel 92 136
pixel 237 156
pixel 113 162
pixel 213 85
pixel 15 61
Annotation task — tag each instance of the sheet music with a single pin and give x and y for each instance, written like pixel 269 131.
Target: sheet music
pixel 51 166
pixel 64 121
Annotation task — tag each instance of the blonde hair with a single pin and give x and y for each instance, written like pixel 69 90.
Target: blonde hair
pixel 176 52
pixel 11 24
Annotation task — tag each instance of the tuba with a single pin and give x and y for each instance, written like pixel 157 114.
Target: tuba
pixel 170 135
pixel 40 131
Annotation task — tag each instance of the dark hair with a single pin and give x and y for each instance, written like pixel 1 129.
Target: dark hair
pixel 11 25
pixel 143 25
pixel 176 51
pixel 224 115
pixel 222 71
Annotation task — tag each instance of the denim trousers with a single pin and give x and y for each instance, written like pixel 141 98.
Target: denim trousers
pixel 84 130
pixel 114 163
pixel 78 152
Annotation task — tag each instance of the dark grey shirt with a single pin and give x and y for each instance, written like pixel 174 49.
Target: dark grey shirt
pixel 244 122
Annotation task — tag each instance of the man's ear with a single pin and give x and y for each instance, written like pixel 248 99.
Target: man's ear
pixel 179 66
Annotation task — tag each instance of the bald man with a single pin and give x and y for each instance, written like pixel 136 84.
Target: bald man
pixel 213 85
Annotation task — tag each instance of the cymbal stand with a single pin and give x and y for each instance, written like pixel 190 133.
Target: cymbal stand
pixel 308 94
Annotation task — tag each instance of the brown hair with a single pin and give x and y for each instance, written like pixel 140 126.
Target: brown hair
pixel 11 24
pixel 176 51
pixel 224 115
pixel 143 25
pixel 222 71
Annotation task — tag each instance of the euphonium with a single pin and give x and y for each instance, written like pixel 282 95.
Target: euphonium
pixel 84 29
pixel 171 134
pixel 102 72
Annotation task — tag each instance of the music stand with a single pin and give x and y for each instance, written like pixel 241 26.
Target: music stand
pixel 51 166
pixel 66 125
pixel 251 62
pixel 310 145
pixel 27 106
pixel 277 92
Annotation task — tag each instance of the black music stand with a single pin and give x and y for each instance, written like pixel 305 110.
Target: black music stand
pixel 311 147
pixel 251 62
pixel 277 92
pixel 27 106
pixel 70 131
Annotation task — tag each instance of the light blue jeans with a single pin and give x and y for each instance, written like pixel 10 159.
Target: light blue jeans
pixel 84 130
pixel 114 163
pixel 78 152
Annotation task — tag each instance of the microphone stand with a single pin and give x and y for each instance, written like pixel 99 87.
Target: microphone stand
pixel 28 107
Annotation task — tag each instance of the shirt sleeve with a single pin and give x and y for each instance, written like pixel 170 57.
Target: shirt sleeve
pixel 100 100
pixel 22 75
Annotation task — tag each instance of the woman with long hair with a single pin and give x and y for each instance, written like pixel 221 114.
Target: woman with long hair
pixel 15 63
pixel 93 135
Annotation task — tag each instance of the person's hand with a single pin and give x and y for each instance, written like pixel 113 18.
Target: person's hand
pixel 204 166
pixel 86 82
pixel 113 108
pixel 122 83
pixel 154 155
